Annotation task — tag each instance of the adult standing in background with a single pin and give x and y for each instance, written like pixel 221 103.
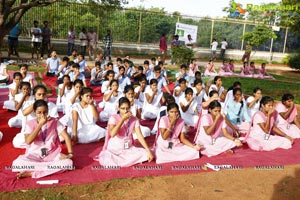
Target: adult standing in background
pixel 71 40
pixel 163 47
pixel 83 41
pixel 46 41
pixel 92 42
pixel 190 42
pixel 36 40
pixel 107 40
pixel 214 45
pixel 13 40
pixel 247 53
pixel 224 45
pixel 174 44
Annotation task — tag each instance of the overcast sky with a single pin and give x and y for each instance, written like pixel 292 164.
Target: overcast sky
pixel 212 8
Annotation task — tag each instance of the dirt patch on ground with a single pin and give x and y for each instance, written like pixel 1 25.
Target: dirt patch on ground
pixel 251 183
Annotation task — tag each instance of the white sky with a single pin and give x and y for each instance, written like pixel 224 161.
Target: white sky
pixel 212 8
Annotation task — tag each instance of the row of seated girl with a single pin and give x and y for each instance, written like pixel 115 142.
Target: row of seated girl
pixel 228 69
pixel 146 104
pixel 212 138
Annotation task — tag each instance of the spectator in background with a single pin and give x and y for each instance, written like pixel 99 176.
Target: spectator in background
pixel 83 41
pixel 71 40
pixel 107 40
pixel 214 45
pixel 36 40
pixel 92 42
pixel 190 42
pixel 175 43
pixel 247 53
pixel 46 41
pixel 163 47
pixel 13 40
pixel 224 45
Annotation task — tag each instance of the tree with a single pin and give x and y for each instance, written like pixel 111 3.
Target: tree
pixel 259 35
pixel 11 11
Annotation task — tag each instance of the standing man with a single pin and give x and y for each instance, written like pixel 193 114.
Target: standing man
pixel 214 45
pixel 92 42
pixel 175 43
pixel 83 41
pixel 247 53
pixel 36 40
pixel 13 40
pixel 107 40
pixel 163 47
pixel 71 40
pixel 46 43
pixel 224 45
pixel 190 42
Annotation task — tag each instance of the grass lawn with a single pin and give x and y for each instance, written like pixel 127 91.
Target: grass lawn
pixel 274 88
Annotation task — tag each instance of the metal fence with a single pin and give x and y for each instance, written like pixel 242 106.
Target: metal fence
pixel 140 26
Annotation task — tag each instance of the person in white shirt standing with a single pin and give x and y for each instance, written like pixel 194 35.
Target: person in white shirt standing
pixel 83 41
pixel 214 45
pixel 190 42
pixel 36 40
pixel 224 45
pixel 92 42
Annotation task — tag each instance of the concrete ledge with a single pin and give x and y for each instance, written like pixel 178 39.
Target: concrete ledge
pixel 153 49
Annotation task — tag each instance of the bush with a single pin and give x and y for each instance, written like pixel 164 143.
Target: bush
pixel 294 62
pixel 182 55
pixel 286 60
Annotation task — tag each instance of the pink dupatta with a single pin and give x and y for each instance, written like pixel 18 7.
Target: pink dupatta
pixel 217 130
pixel 292 115
pixel 273 119
pixel 107 135
pixel 179 122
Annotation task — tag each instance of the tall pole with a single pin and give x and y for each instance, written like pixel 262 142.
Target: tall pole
pixel 140 28
pixel 244 29
pixel 212 30
pixel 285 39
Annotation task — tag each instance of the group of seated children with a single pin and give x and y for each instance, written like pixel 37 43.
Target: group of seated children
pixel 228 69
pixel 223 120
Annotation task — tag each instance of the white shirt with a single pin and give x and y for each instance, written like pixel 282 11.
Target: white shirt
pixel 83 36
pixel 224 44
pixel 35 36
pixel 254 108
pixel 214 46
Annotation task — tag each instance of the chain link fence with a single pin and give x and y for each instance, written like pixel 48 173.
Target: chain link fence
pixel 141 26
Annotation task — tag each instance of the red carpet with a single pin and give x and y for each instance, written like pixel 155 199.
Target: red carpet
pixel 88 171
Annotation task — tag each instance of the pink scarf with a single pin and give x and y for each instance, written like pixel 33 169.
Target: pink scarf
pixel 177 130
pixel 210 119
pixel 260 113
pixel 107 134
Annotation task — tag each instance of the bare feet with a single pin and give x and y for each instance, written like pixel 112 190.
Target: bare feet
pixel 24 175
pixel 230 151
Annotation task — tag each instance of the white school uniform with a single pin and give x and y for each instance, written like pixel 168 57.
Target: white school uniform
pixel 150 111
pixel 189 116
pixel 87 129
pixel 109 107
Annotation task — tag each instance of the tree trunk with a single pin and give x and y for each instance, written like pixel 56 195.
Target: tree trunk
pixel 3 33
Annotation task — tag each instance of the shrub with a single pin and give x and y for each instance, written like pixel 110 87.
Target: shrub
pixel 182 55
pixel 286 60
pixel 294 62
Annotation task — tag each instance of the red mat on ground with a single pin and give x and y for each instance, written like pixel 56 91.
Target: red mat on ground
pixel 89 171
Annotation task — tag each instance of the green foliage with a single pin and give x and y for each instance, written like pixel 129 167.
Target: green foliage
pixel 259 35
pixel 294 62
pixel 286 60
pixel 182 54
